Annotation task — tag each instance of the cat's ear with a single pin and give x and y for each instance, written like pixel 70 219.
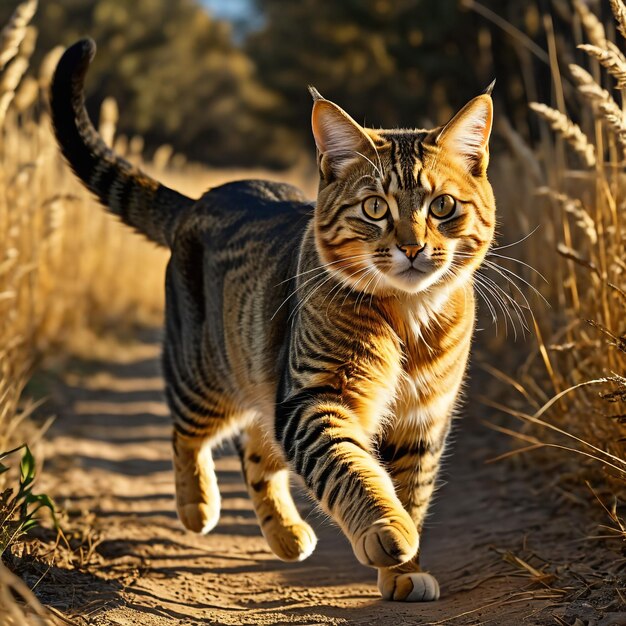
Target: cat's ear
pixel 467 134
pixel 339 139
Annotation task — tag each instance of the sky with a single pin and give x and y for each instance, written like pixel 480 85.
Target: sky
pixel 229 9
pixel 240 12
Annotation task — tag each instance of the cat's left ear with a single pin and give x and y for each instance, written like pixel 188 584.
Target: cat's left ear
pixel 467 134
pixel 339 139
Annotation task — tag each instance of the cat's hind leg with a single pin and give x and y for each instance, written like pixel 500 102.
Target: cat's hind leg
pixel 197 493
pixel 267 480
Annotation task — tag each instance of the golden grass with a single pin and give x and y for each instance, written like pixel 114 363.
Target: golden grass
pixel 575 381
pixel 64 265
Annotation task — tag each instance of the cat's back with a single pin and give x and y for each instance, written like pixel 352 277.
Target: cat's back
pixel 230 210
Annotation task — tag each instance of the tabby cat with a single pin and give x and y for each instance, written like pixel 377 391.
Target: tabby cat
pixel 332 338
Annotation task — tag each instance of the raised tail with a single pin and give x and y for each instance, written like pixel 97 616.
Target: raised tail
pixel 139 200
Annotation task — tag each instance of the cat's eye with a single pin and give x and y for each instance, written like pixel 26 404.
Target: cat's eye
pixel 375 207
pixel 443 206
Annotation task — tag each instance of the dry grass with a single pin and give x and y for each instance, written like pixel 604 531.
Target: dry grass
pixel 572 391
pixel 29 611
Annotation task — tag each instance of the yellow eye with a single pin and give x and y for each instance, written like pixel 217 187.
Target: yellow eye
pixel 375 207
pixel 443 206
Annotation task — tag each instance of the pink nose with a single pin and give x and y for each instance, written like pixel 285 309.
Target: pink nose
pixel 411 250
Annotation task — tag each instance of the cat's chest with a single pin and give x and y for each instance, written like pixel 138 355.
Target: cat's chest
pixel 435 347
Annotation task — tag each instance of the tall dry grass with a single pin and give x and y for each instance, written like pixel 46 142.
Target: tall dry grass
pixel 572 190
pixel 65 266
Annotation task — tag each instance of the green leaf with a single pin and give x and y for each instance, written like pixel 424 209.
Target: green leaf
pixel 27 467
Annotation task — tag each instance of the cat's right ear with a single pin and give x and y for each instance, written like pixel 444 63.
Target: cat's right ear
pixel 339 139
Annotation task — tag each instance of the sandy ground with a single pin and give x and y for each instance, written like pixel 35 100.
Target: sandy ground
pixel 108 463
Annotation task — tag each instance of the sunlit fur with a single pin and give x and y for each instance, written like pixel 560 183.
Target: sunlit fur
pixel 304 330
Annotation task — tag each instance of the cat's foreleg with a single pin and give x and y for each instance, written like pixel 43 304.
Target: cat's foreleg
pixel 325 444
pixel 413 462
pixel 267 481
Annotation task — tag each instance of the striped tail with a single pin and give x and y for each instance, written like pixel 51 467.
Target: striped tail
pixel 139 200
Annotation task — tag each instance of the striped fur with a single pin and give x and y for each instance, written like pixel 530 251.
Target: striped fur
pixel 331 338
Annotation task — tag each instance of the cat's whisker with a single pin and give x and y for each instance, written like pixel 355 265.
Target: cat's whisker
pixel 485 292
pixel 295 291
pixel 492 311
pixel 380 277
pixel 339 286
pixel 371 280
pixel 500 268
pixel 309 295
pixel 507 274
pixel 477 285
pixel 509 245
pixel 376 168
pixel 343 151
pixel 507 302
pixel 493 289
pixel 516 305
pixel 354 287
pixel 321 272
pixel 527 306
pixel 380 163
pixel 510 258
pixel 323 266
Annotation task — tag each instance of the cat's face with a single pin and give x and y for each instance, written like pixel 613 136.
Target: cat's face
pixel 403 211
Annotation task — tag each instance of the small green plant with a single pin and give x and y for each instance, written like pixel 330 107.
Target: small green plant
pixel 18 511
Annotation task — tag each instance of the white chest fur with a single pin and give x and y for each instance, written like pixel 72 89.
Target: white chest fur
pixel 434 366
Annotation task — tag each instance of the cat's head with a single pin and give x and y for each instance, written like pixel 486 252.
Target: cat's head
pixel 403 210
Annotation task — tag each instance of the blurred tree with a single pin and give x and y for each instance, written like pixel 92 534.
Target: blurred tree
pixel 176 73
pixel 181 77
pixel 389 62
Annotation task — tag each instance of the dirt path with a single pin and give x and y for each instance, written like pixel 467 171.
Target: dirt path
pixel 108 453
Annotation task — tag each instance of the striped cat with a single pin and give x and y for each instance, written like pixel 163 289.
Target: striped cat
pixel 332 337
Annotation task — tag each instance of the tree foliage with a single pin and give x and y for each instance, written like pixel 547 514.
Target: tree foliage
pixel 181 77
pixel 175 71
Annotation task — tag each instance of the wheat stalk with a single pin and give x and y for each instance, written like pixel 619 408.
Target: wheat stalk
pixel 592 25
pixel 607 109
pixel 574 207
pixel 26 95
pixel 570 131
pixel 48 65
pixel 619 11
pixel 10 80
pixel 12 35
pixel 611 58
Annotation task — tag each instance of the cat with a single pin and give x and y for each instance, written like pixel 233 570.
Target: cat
pixel 331 337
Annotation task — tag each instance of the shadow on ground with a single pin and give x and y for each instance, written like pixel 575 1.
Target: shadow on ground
pixel 108 453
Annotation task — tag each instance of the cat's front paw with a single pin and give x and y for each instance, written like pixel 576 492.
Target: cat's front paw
pixel 293 542
pixel 408 586
pixel 389 541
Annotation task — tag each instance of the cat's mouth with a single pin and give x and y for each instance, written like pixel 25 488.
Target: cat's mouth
pixel 411 272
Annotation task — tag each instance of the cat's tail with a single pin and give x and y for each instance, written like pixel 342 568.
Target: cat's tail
pixel 139 200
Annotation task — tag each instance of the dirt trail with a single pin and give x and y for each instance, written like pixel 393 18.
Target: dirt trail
pixel 109 453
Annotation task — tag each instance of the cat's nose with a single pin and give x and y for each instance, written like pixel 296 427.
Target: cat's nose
pixel 412 250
